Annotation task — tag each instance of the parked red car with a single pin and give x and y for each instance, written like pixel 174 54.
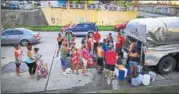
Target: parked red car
pixel 120 27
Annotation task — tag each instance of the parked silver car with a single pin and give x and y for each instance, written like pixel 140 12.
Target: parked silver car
pixel 20 36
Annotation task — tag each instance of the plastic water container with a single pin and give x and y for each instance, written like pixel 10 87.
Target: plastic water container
pixel 152 75
pixel 125 69
pixel 141 77
pixel 116 72
pixel 135 81
pixel 146 79
pixel 121 75
pixel 139 68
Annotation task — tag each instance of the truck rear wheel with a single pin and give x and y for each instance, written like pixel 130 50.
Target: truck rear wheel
pixel 166 65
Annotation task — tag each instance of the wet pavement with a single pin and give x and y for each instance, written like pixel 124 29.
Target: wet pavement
pixel 10 67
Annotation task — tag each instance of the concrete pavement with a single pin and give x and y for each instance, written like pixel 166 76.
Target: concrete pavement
pixel 57 82
pixel 48 47
pixel 12 83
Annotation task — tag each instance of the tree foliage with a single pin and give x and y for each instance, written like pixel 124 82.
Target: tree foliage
pixel 127 4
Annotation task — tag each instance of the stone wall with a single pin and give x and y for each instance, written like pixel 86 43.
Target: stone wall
pixel 23 17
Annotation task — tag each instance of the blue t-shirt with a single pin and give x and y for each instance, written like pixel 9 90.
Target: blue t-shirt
pixel 105 47
pixel 27 59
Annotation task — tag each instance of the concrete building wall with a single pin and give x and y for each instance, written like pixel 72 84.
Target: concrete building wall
pixel 57 16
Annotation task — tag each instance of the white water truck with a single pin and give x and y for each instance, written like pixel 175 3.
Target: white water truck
pixel 157 40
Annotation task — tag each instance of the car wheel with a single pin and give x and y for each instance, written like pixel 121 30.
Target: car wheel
pixel 90 34
pixel 166 65
pixel 24 42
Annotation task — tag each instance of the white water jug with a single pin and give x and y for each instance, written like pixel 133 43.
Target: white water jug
pixel 141 77
pixel 152 75
pixel 146 79
pixel 116 71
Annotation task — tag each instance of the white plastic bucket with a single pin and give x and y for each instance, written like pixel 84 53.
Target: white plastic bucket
pixel 146 79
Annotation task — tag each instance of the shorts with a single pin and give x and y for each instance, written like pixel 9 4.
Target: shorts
pixel 85 62
pixel 100 61
pixel 59 45
pixel 110 67
pixel 132 63
pixel 18 65
pixel 64 63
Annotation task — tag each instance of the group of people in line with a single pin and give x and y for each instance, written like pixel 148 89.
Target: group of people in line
pixel 107 53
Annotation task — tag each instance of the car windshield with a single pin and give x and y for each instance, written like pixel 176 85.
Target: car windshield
pixel 27 30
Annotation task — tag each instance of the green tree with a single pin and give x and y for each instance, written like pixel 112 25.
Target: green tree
pixel 126 4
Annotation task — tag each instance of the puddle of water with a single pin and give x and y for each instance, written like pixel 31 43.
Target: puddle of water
pixel 10 67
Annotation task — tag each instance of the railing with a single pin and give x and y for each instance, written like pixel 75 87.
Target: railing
pixel 170 11
pixel 91 7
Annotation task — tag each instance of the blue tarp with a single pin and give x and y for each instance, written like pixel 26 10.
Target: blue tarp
pixel 62 1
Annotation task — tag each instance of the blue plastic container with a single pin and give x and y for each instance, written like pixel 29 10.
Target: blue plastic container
pixel 121 75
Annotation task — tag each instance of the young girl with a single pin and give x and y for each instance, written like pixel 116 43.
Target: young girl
pixel 36 54
pixel 85 58
pixel 18 58
pixel 75 60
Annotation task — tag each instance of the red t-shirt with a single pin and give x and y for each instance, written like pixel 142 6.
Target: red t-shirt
pixel 85 54
pixel 118 45
pixel 89 44
pixel 121 40
pixel 97 37
pixel 111 57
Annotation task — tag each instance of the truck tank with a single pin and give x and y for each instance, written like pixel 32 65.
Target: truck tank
pixel 167 33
